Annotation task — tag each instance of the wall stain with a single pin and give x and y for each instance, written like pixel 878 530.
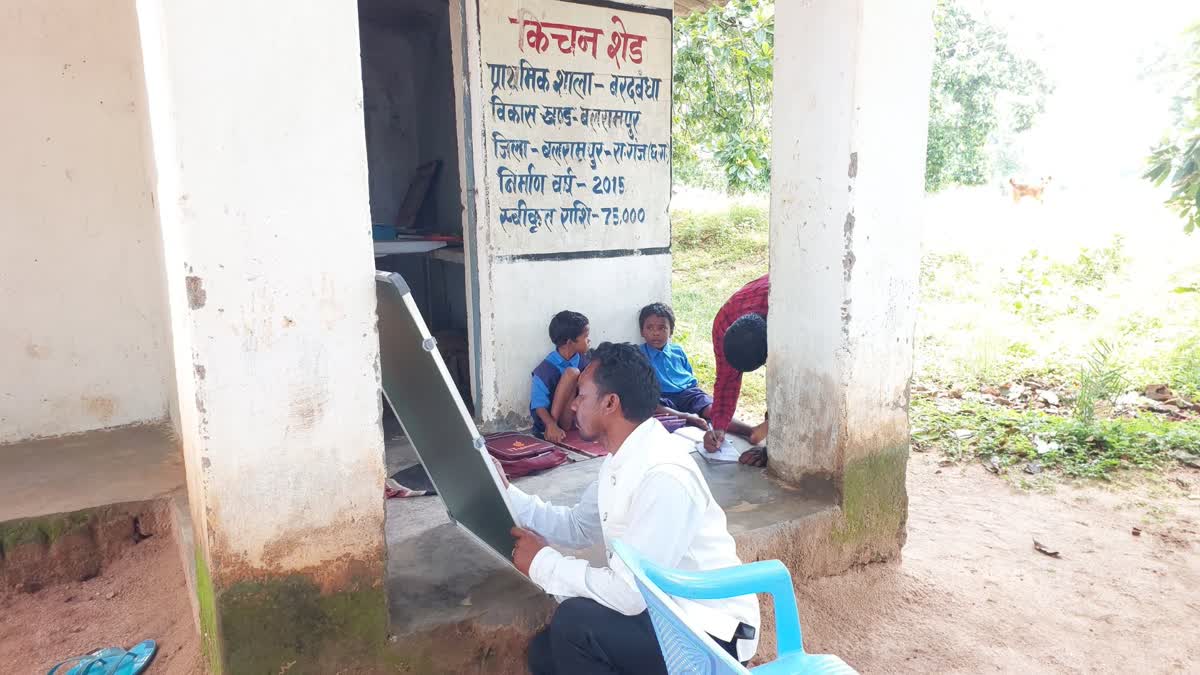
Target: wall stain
pixel 308 407
pixel 101 407
pixel 848 258
pixel 37 351
pixel 197 296
pixel 853 172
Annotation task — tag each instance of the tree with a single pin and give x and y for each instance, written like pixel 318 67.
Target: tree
pixel 981 94
pixel 723 91
pixel 1177 157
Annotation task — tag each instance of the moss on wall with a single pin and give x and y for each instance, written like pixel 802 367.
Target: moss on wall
pixel 874 500
pixel 43 530
pixel 286 623
pixel 208 615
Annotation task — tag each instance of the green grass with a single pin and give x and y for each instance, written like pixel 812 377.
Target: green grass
pixel 715 254
pixel 967 431
pixel 986 318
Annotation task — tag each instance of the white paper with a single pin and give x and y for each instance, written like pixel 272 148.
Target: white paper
pixel 731 448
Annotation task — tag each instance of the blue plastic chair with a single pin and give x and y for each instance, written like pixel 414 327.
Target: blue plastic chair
pixel 689 650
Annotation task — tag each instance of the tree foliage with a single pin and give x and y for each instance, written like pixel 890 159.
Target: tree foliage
pixel 1176 160
pixel 723 91
pixel 980 96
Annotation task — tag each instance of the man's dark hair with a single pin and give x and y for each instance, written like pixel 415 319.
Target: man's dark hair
pixel 657 309
pixel 622 369
pixel 567 326
pixel 746 343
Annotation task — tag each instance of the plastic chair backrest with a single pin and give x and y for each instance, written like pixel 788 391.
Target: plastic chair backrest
pixel 686 649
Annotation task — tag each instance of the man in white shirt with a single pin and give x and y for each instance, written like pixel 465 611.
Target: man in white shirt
pixel 652 496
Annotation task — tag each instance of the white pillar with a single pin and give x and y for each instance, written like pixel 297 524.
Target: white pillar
pixel 849 130
pixel 257 124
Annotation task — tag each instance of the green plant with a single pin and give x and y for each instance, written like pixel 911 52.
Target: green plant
pixel 1102 377
pixel 1094 268
pixel 1029 285
pixel 1183 368
pixel 980 90
pixel 723 89
pixel 1016 438
pixel 1176 159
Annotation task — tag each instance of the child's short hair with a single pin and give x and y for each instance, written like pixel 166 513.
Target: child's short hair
pixel 567 326
pixel 657 309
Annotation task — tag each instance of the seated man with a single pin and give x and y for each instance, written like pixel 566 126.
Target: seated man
pixel 653 497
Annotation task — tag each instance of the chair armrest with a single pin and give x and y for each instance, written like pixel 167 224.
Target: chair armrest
pixel 767 576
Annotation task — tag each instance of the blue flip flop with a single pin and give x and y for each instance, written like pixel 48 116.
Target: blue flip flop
pixel 135 660
pixel 88 663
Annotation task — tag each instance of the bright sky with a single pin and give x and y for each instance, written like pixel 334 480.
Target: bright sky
pixel 1101 119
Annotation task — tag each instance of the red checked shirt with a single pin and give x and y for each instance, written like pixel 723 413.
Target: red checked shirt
pixel 751 299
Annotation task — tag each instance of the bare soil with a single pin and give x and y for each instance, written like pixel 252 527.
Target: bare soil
pixel 141 595
pixel 971 594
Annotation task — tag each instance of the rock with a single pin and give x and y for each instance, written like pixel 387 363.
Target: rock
pixel 1044 550
pixel 962 434
pixel 1049 397
pixel 1183 404
pixel 1043 446
pixel 993 464
pixel 991 391
pixel 1156 406
pixel 110 595
pixel 1159 392
pixel 1015 392
pixel 1033 468
pixel 1137 532
pixel 1127 399
pixel 1186 458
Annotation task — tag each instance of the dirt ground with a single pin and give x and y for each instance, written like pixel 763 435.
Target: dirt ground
pixel 971 595
pixel 140 596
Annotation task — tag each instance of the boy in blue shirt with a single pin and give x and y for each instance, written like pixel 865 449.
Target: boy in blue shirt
pixel 556 379
pixel 681 393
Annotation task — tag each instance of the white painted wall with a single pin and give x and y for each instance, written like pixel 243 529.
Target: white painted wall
pixel 262 177
pixel 517 296
pixel 83 339
pixel 847 180
pixel 609 291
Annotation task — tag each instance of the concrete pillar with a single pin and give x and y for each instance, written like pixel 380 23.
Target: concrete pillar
pixel 257 125
pixel 849 130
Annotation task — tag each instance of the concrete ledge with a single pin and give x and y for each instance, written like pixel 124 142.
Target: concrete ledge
pixel 456 608
pixel 83 471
